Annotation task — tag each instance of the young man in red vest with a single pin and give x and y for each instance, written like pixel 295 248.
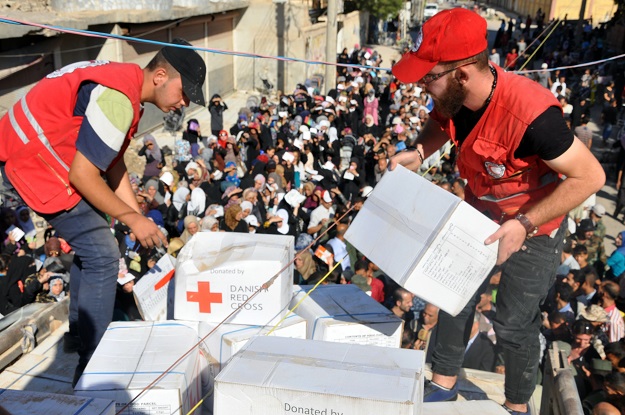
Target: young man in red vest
pixel 514 149
pixel 65 159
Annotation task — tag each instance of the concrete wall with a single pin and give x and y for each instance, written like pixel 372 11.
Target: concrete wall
pixel 69 6
pixel 257 31
pixel 25 6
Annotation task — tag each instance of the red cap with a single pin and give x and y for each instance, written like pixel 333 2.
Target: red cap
pixel 450 35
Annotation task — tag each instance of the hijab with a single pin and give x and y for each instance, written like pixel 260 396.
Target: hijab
pixel 157 217
pixel 155 151
pixel 284 215
pixel 61 294
pixel 180 197
pixel 27 226
pixel 278 181
pixel 207 223
pixel 197 204
pixel 186 236
pixel 232 178
pixel 621 249
pixel 157 196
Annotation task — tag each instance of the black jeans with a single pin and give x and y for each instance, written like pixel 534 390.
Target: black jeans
pixel 525 280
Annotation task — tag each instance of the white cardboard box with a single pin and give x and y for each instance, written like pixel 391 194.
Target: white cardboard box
pixel 228 339
pixel 346 314
pixel 284 376
pixel 131 355
pixel 26 402
pixel 154 291
pixel 217 271
pixel 433 242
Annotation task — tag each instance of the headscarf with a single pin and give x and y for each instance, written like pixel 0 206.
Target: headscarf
pixel 155 151
pixel 62 294
pixel 247 205
pixel 308 266
pixel 283 182
pixel 259 177
pixel 621 249
pixel 231 154
pixel 277 180
pixel 207 223
pixel 284 228
pixel 186 236
pixel 232 177
pixel 180 197
pixel 197 204
pixel 230 216
pixel 193 126
pixel 157 196
pixel 333 135
pixel 27 225
pixel 157 217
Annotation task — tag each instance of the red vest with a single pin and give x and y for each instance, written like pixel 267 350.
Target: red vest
pixel 500 185
pixel 39 132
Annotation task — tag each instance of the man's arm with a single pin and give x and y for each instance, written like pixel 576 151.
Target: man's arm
pixel 85 176
pixel 584 176
pixel 119 182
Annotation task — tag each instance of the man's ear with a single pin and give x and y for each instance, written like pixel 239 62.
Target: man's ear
pixel 159 76
pixel 461 76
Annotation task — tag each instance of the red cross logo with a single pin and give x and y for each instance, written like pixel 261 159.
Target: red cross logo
pixel 204 296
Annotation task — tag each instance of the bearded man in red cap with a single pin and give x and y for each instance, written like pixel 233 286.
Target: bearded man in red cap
pixel 515 150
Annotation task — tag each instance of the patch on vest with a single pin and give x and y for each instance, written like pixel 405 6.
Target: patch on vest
pixel 495 170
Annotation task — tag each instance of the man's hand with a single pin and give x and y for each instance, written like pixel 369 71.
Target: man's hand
pixel 146 231
pixel 511 236
pixel 408 159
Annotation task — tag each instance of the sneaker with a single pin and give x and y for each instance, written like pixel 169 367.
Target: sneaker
pixel 434 393
pixel 511 412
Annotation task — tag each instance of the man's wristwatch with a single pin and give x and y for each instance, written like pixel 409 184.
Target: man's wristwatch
pixel 530 229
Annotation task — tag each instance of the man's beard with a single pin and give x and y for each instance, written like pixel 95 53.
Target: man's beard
pixel 451 100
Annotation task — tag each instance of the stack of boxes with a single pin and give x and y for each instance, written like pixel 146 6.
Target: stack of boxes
pixel 338 354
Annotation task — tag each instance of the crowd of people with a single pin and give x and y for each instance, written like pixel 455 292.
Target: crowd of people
pixel 303 166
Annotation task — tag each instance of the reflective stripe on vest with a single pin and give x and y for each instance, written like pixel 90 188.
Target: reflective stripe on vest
pixel 35 125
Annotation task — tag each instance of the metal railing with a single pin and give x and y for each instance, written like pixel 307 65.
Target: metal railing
pixel 560 395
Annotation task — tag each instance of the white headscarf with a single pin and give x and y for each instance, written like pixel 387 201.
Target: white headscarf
pixel 197 204
pixel 284 228
pixel 180 197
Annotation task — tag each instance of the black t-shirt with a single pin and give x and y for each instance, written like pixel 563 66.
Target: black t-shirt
pixel 547 136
